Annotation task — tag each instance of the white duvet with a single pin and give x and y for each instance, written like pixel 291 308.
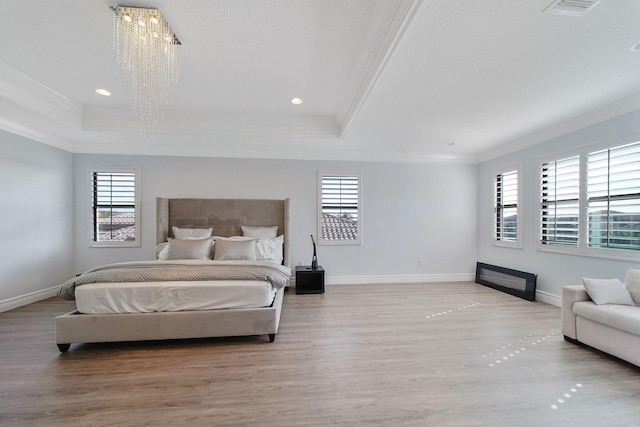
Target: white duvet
pixel 178 271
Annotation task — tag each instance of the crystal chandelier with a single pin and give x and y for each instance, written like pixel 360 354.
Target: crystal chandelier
pixel 144 47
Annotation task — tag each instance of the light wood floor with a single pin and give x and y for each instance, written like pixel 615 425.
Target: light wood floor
pixel 448 354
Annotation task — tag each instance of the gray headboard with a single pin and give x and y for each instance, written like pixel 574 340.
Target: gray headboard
pixel 226 216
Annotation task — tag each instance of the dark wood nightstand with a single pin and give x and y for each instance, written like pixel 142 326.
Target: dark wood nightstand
pixel 308 280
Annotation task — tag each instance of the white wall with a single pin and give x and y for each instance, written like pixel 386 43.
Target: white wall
pixel 419 220
pixel 554 270
pixel 37 220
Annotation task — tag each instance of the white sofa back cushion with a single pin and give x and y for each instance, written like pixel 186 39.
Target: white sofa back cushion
pixel 607 291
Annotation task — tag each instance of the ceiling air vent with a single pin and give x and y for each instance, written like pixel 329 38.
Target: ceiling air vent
pixel 571 7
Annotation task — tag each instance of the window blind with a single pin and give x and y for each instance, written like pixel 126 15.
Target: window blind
pixel 506 206
pixel 559 200
pixel 613 198
pixel 114 206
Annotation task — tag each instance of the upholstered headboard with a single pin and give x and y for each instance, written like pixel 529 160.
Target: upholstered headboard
pixel 226 216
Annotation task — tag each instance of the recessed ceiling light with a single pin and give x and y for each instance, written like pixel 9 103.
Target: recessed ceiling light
pixel 103 92
pixel 296 101
pixel 635 47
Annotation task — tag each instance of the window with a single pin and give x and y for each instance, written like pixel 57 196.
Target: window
pixel 114 208
pixel 559 202
pixel 339 215
pixel 590 203
pixel 613 198
pixel 507 208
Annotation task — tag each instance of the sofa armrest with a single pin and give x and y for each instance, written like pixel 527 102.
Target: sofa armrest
pixel 571 295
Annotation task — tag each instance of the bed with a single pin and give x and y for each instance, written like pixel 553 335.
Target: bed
pixel 227 218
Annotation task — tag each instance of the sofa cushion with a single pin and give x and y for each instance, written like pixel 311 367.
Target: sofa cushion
pixel 607 291
pixel 623 317
pixel 632 282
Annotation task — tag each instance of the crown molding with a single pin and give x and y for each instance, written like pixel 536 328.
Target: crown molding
pixel 365 74
pixel 33 96
pixel 34 134
pixel 610 111
pixel 249 148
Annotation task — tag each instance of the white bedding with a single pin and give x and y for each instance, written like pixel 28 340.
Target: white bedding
pixel 146 297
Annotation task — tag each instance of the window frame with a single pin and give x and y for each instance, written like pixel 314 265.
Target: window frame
pixel 499 208
pixel 611 197
pixel 91 219
pixel 583 248
pixel 331 242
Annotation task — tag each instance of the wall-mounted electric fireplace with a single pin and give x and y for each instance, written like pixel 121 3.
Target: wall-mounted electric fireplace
pixel 513 282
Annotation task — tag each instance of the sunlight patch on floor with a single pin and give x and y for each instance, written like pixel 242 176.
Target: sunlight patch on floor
pixel 451 311
pixel 566 396
pixel 508 351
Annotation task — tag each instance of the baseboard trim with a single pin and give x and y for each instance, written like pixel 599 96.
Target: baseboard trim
pixel 30 298
pixel 549 298
pixel 403 278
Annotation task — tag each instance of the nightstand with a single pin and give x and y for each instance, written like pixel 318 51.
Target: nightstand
pixel 308 280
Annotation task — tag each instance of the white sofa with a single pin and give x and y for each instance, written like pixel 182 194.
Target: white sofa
pixel 605 314
pixel 612 328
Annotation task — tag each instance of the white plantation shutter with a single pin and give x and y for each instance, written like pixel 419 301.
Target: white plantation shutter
pixel 559 202
pixel 506 206
pixel 339 213
pixel 613 198
pixel 114 212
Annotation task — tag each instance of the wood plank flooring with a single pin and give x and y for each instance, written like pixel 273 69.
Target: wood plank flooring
pixel 446 354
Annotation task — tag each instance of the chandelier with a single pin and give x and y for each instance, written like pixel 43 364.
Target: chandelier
pixel 144 47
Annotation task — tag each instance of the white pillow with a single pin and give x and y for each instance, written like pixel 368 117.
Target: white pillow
pixel 161 250
pixel 232 249
pixel 234 238
pixel 607 291
pixel 192 233
pixel 260 232
pixel 632 283
pixel 270 249
pixel 189 249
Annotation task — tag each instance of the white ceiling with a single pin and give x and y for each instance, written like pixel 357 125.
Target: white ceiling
pixel 391 80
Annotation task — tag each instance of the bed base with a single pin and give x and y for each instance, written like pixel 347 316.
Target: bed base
pixel 75 327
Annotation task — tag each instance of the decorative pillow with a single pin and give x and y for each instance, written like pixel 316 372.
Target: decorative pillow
pixel 236 238
pixel 260 232
pixel 231 249
pixel 161 250
pixel 270 249
pixel 189 249
pixel 607 291
pixel 632 283
pixel 192 233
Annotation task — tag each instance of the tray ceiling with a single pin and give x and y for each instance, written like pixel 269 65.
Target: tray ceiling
pixel 390 80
